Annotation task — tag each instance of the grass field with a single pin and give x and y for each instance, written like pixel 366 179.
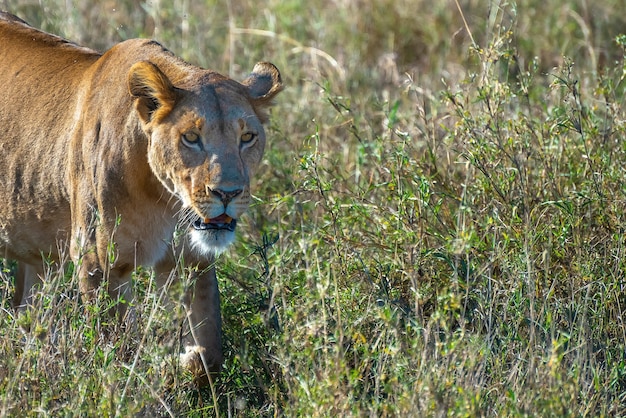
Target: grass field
pixel 438 228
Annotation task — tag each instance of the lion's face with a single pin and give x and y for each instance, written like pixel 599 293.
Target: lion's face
pixel 206 139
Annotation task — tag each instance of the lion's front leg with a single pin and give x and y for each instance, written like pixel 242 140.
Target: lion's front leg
pixel 203 344
pixel 93 268
pixel 83 248
pixel 92 276
pixel 201 300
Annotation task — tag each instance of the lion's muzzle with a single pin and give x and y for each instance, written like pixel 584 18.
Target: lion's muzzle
pixel 222 222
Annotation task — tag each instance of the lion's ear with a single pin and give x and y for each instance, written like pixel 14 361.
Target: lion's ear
pixel 264 83
pixel 154 94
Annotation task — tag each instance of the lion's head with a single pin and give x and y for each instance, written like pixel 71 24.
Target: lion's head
pixel 205 141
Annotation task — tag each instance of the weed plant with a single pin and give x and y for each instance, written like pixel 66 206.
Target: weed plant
pixel 438 227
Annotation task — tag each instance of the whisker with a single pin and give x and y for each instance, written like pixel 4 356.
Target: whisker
pixel 186 216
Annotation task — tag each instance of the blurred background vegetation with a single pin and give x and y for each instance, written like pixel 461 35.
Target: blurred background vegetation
pixel 439 219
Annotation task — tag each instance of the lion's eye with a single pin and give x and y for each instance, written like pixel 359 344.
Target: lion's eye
pixel 191 139
pixel 248 137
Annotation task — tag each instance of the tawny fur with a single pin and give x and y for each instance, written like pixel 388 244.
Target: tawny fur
pixel 118 147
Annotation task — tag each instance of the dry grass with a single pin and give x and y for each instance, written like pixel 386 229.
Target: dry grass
pixel 439 228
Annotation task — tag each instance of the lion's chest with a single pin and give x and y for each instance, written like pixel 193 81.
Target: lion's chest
pixel 144 238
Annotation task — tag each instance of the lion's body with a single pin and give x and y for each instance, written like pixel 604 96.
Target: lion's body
pixel 49 142
pixel 100 148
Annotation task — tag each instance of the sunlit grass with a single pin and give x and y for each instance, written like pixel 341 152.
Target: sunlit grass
pixel 438 227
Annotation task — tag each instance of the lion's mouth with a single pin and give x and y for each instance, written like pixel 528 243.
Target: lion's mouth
pixel 223 221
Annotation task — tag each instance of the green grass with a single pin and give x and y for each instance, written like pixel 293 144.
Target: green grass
pixel 438 228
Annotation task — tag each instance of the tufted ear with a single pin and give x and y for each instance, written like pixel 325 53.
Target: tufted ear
pixel 154 94
pixel 264 83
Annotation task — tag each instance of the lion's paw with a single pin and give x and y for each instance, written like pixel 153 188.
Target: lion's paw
pixel 191 359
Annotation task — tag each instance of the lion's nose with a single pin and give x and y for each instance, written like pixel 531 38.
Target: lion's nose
pixel 226 196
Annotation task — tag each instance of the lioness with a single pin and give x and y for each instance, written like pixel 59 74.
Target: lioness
pixel 93 148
